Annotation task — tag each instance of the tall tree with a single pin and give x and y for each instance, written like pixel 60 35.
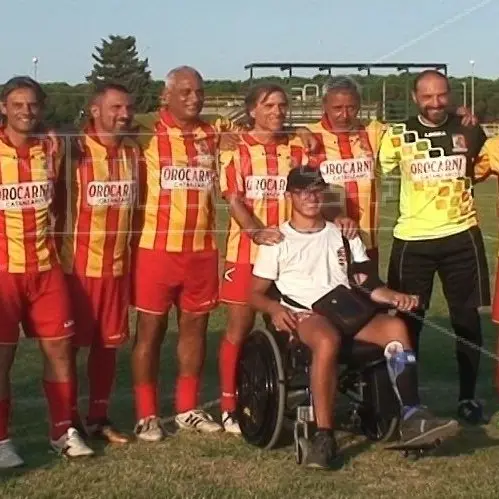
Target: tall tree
pixel 117 61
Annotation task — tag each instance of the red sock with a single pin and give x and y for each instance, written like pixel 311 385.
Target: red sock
pixel 146 400
pixel 227 362
pixel 101 370
pixel 4 418
pixel 59 394
pixel 187 393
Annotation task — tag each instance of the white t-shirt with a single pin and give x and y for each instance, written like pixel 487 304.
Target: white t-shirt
pixel 306 266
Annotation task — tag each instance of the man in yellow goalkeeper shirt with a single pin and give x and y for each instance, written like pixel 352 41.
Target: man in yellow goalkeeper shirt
pixel 488 164
pixel 437 229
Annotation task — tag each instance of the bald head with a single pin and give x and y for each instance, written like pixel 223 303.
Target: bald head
pixel 183 94
pixel 432 95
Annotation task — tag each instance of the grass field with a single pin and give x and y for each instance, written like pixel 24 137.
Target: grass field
pixel 192 466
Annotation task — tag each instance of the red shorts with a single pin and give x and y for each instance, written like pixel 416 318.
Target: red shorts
pixel 37 301
pixel 188 280
pixel 236 283
pixel 100 306
pixel 495 301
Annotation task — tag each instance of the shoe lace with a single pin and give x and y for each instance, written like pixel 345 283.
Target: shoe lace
pixel 151 423
pixel 203 415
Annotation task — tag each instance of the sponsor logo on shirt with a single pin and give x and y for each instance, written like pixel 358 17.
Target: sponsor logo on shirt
pixel 187 177
pixel 345 170
pixel 342 256
pixel 265 186
pixel 459 143
pixel 445 167
pixel 111 193
pixel 25 195
pixel 436 133
pixel 204 157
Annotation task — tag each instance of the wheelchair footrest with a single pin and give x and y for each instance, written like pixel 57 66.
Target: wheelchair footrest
pixel 305 414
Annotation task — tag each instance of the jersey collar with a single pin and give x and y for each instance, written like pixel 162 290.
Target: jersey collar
pixel 23 150
pixel 252 141
pixel 326 124
pixel 112 151
pixel 167 120
pixel 433 126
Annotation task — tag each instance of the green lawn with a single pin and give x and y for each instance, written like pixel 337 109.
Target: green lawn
pixel 187 465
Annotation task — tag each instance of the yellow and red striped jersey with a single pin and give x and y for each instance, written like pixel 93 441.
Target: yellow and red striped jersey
pixel 176 211
pixel 488 160
pixel 27 178
pixel 347 162
pixel 94 222
pixel 258 174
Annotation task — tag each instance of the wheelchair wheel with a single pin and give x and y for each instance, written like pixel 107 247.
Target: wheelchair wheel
pixel 261 390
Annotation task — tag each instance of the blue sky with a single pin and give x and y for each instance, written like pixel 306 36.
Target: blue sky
pixel 221 36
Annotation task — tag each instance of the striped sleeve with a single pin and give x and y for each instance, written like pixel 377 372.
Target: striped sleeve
pixel 488 160
pixel 231 180
pixel 388 159
pixel 299 156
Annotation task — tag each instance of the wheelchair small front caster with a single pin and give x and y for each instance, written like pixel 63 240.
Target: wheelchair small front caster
pixel 301 450
pixel 413 455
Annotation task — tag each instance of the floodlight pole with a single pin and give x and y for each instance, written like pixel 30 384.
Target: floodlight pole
pixel 383 101
pixel 407 93
pixel 35 67
pixel 472 86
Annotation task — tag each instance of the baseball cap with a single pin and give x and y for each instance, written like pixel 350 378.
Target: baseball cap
pixel 305 177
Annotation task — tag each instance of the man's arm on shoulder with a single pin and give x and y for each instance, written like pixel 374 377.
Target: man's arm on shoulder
pixel 388 160
pixel 232 189
pixel 487 162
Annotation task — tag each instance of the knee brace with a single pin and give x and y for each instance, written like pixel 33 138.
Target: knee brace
pixel 397 358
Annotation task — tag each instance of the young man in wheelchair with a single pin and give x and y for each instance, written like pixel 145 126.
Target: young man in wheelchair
pixel 329 295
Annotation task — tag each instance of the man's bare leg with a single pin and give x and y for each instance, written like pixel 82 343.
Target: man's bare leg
pixel 240 320
pixel 146 352
pixel 324 342
pixel 8 455
pixel 58 386
pixel 191 352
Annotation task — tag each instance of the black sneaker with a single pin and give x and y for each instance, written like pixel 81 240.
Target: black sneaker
pixel 471 412
pixel 322 451
pixel 423 428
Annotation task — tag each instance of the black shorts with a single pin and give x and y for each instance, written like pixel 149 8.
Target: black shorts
pixel 459 260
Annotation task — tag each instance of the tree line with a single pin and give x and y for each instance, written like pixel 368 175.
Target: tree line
pixel 117 59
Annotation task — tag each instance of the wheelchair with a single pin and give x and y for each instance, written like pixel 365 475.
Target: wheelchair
pixel 273 390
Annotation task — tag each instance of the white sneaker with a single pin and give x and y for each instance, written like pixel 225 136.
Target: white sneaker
pixel 71 445
pixel 230 423
pixel 9 458
pixel 149 429
pixel 197 420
